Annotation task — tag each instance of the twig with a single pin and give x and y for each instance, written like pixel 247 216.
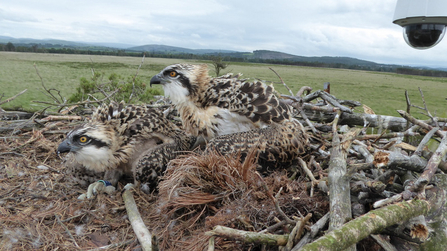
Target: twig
pixel 385 135
pixel 314 230
pixel 45 88
pixel 290 91
pixel 79 103
pixel 289 244
pixel 66 230
pixel 308 122
pixel 13 97
pixel 134 77
pixel 385 244
pixel 301 228
pixel 248 237
pixel 420 123
pixel 13 153
pixel 425 140
pixel 426 109
pixel 430 169
pixel 142 233
pixel 275 201
pixel 407 98
pixel 273 227
pixel 297 231
pixel 333 101
pixel 58 118
pixel 114 245
pixel 302 90
pixel 307 171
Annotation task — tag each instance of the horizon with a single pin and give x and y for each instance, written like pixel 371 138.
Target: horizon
pixel 130 46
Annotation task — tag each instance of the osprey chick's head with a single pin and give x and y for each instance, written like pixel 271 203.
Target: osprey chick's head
pixel 180 81
pixel 93 146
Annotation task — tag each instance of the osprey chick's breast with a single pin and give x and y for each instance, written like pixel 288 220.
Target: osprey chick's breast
pixel 222 105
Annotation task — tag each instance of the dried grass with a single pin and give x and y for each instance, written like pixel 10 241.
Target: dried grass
pixel 199 192
pixel 39 209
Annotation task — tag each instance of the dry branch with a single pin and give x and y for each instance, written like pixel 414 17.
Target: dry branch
pixel 314 230
pixel 399 161
pixel 143 235
pixel 430 169
pixel 420 123
pixel 13 97
pixel 339 193
pixel 372 222
pixel 249 237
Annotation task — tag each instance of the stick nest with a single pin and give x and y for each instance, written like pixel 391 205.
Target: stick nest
pixel 199 192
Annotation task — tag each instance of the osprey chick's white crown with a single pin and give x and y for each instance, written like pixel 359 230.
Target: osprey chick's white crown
pixel 222 105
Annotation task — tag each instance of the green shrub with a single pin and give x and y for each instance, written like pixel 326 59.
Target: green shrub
pixel 130 89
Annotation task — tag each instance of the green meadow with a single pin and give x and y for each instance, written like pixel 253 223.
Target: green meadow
pixel 383 92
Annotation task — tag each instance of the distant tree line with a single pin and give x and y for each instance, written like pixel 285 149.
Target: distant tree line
pixel 419 72
pixel 234 57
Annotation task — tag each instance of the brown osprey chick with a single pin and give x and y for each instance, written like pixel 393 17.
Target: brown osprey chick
pixel 118 136
pixel 210 107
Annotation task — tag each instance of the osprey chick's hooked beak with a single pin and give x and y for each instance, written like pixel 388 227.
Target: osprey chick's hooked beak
pixel 155 80
pixel 64 147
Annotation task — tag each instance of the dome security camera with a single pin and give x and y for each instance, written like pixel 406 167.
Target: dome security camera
pixel 423 21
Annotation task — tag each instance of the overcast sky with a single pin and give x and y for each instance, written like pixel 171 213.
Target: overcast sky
pixel 352 28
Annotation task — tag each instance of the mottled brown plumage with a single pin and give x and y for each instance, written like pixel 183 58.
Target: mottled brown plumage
pixel 210 107
pixel 277 146
pixel 117 137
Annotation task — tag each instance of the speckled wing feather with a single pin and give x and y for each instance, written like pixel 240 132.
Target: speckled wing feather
pixel 152 165
pixel 278 145
pixel 254 100
pixel 128 121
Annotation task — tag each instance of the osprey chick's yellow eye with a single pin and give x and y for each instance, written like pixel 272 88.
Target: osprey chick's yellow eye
pixel 83 139
pixel 173 74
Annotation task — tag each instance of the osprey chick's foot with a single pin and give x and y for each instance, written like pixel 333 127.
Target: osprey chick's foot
pixel 97 187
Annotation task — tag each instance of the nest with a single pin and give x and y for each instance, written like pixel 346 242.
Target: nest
pixel 199 192
pixel 39 209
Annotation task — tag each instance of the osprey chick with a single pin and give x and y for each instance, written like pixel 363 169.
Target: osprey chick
pixel 210 107
pixel 117 137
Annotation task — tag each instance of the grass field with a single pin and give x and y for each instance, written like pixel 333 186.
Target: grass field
pixel 383 92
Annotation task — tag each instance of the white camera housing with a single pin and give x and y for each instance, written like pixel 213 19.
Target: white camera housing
pixel 423 21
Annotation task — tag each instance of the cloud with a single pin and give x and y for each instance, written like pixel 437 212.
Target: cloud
pixel 355 28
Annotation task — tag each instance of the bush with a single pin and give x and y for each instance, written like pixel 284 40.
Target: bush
pixel 130 89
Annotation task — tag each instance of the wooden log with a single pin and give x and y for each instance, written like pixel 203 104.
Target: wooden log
pixel 15 115
pixel 396 124
pixel 398 161
pixel 339 192
pixel 372 222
